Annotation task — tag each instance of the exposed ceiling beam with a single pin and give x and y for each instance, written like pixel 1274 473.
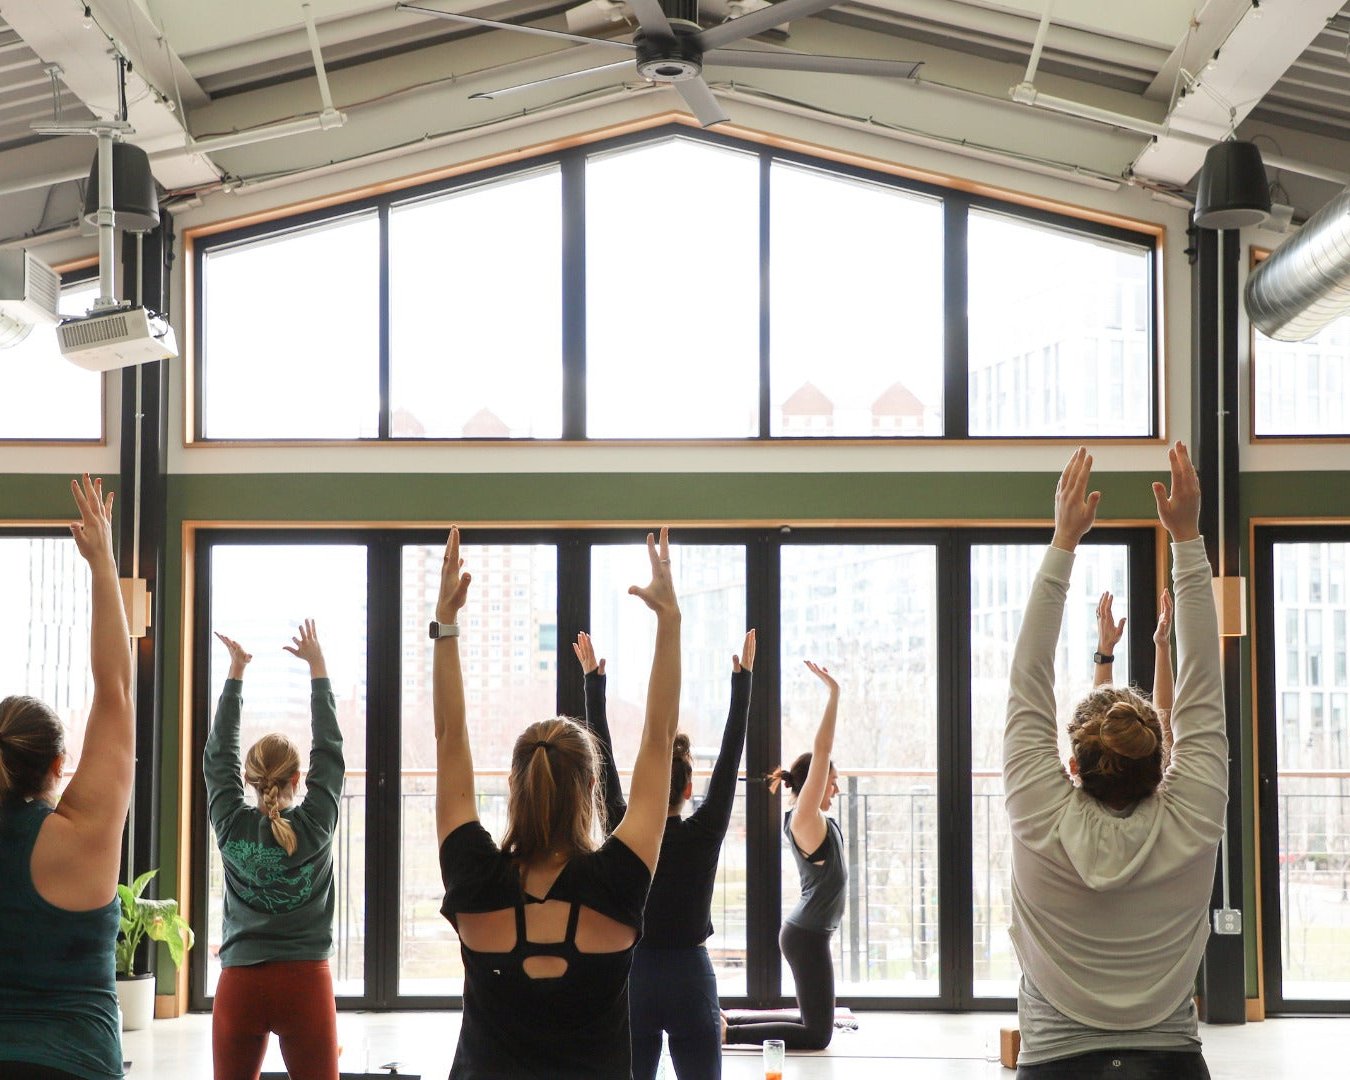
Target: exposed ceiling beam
pixel 1261 46
pixel 55 32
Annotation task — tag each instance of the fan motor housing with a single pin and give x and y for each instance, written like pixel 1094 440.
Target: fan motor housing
pixel 670 60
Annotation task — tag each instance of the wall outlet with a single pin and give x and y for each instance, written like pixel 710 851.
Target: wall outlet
pixel 1227 921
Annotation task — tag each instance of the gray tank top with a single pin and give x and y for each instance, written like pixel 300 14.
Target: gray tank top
pixel 823 886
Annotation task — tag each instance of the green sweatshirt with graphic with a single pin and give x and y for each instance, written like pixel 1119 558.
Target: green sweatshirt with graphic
pixel 277 906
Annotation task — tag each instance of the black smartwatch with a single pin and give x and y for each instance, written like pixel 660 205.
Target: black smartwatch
pixel 443 629
pixel 1097 657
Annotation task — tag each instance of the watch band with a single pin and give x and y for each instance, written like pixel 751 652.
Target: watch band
pixel 1102 658
pixel 440 630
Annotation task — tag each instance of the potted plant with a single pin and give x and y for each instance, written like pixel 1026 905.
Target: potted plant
pixel 158 920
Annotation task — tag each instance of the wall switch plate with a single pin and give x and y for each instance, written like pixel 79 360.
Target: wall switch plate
pixel 1227 921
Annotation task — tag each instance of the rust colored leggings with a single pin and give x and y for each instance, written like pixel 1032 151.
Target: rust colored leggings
pixel 294 998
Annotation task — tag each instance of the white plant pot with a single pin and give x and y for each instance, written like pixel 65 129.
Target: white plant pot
pixel 136 995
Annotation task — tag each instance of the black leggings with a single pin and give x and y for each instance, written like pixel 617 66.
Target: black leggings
pixel 1121 1065
pixel 812 1024
pixel 18 1070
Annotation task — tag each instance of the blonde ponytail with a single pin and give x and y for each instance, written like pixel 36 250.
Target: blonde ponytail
pixel 270 763
pixel 553 800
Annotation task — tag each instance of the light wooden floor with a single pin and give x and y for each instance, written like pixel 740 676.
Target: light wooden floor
pixel 915 1046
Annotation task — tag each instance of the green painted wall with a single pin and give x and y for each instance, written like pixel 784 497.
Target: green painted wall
pixel 651 498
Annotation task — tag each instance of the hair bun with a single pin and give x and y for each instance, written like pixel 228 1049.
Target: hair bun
pixel 1125 731
pixel 680 748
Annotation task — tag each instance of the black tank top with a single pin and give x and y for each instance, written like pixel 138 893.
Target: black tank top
pixel 571 1027
pixel 823 887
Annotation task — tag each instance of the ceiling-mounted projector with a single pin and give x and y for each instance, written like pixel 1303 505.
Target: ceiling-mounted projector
pixel 30 291
pixel 115 338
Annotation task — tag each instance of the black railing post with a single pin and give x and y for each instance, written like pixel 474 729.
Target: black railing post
pixel 854 880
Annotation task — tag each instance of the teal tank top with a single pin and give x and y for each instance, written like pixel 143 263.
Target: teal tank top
pixel 58 996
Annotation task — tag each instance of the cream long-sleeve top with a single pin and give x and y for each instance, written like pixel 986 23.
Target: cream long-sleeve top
pixel 1109 913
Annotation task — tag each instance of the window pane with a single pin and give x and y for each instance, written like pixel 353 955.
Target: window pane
pixel 476 323
pixel 509 658
pixel 44 641
pixel 260 593
pixel 996 618
pixel 869 613
pixel 1314 775
pixel 857 350
pixel 291 334
pixel 1059 332
pixel 42 394
pixel 672 292
pixel 1302 387
pixel 710 582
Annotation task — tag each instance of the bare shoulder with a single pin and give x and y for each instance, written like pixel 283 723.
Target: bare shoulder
pixel 71 872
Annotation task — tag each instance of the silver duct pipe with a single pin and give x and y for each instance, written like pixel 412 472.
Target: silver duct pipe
pixel 1305 284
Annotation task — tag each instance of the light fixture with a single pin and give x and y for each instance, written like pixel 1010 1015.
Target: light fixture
pixel 1232 191
pixel 136 601
pixel 1230 603
pixel 88 21
pixel 135 200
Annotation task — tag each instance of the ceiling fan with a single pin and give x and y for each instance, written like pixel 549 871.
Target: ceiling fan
pixel 670 47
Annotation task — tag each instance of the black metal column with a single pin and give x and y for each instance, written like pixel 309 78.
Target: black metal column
pixel 1214 397
pixel 142 499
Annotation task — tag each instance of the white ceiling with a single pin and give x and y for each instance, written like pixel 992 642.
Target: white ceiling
pixel 400 77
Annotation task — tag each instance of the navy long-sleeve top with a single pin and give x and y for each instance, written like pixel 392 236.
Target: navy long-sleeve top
pixel 679 906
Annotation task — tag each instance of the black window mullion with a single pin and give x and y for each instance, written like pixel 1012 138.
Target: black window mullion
pixel 384 810
pixel 765 323
pixel 763 751
pixel 202 833
pixel 385 421
pixel 574 615
pixel 956 328
pixel 956 916
pixel 573 168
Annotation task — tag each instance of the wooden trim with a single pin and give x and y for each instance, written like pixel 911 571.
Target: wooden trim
pixel 74 265
pixel 189 297
pixel 740 131
pixel 748 134
pixel 1289 440
pixel 1256 1010
pixel 190 527
pixel 167 1007
pixel 625 444
pixel 186 765
pixel 1253 615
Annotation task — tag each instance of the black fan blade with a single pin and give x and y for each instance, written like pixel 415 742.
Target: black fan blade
pixel 519 28
pixel 759 21
pixel 701 101
pixel 790 61
pixel 652 18
pixel 488 95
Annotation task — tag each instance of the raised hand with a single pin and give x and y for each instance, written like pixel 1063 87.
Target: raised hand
pixel 1075 507
pixel 93 532
pixel 306 647
pixel 746 660
pixel 1109 632
pixel 659 595
pixel 454 582
pixel 823 674
pixel 1162 635
pixel 586 654
pixel 239 657
pixel 1179 510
